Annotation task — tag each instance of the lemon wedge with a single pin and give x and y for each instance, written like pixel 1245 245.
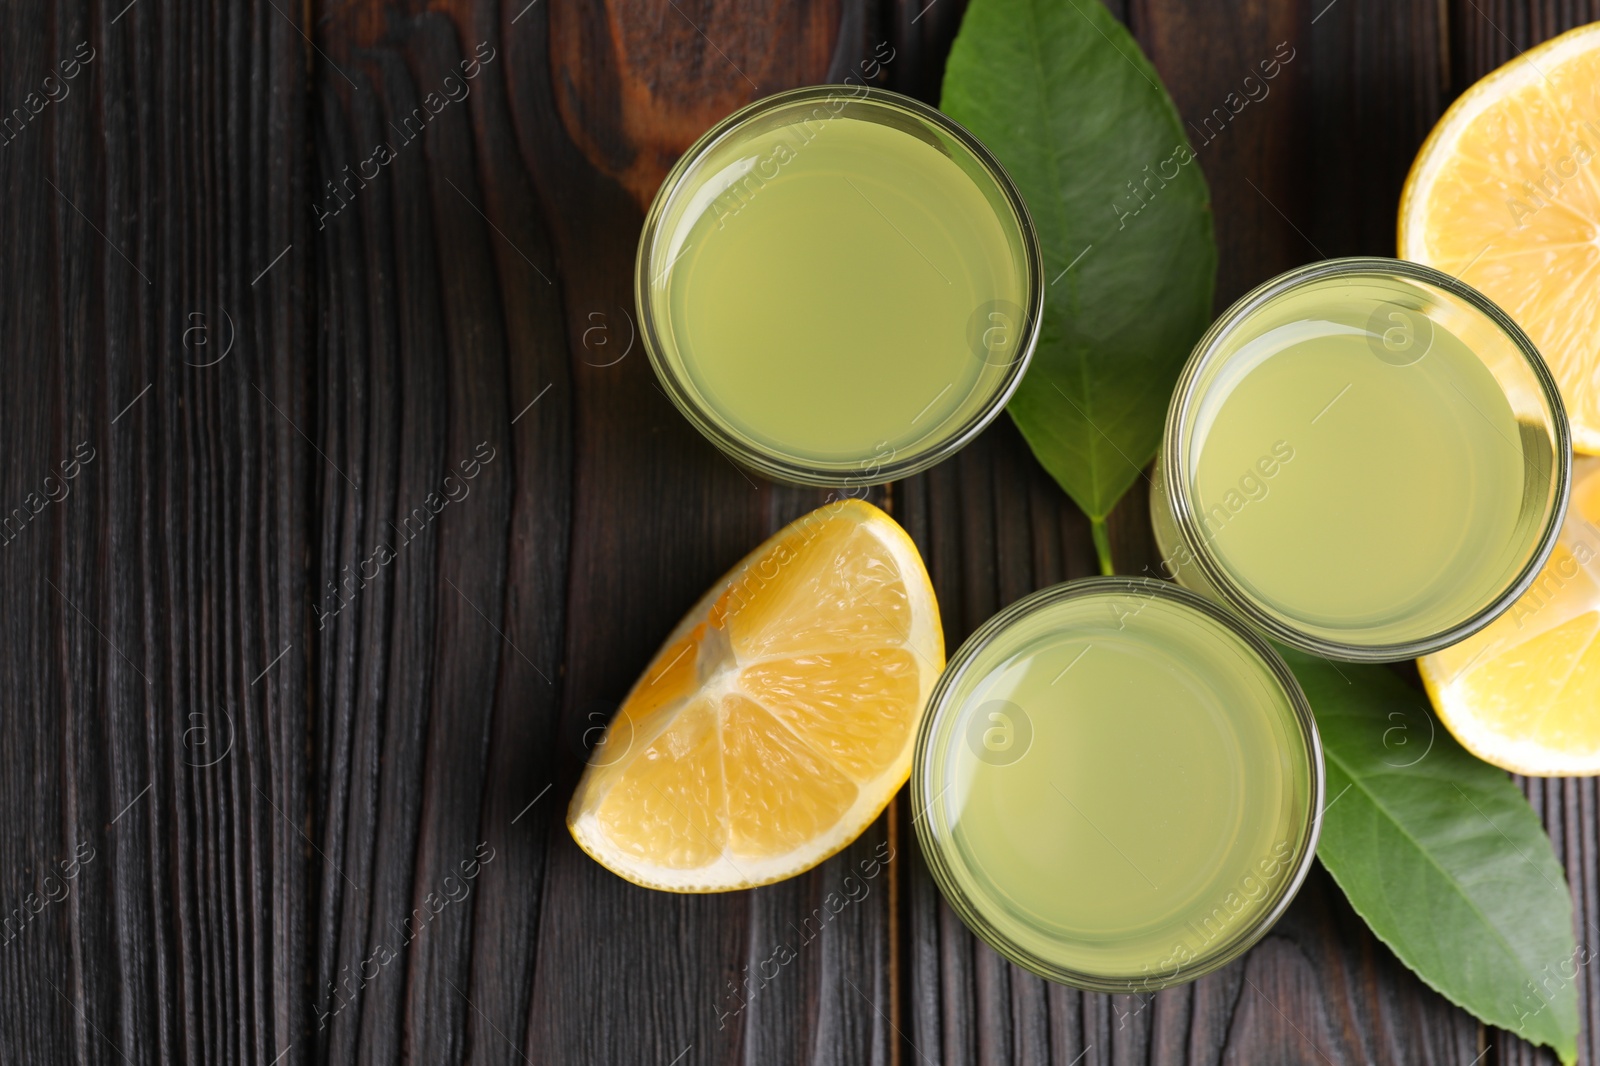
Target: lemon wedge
pixel 1524 693
pixel 777 721
pixel 1505 195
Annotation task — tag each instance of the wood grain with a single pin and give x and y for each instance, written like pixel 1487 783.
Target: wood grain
pixel 154 689
pixel 385 510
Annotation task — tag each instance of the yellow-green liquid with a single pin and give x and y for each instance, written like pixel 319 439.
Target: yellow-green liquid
pixel 1359 470
pixel 1121 788
pixel 838 283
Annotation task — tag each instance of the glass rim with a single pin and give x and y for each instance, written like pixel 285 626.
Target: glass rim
pixel 923 797
pixel 770 462
pixel 1174 467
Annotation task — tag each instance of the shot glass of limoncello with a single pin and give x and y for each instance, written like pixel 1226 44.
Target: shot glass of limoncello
pixel 838 285
pixel 1365 458
pixel 1118 784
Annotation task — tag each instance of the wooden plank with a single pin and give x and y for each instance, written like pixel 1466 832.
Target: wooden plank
pixel 157 267
pixel 445 374
pixel 657 515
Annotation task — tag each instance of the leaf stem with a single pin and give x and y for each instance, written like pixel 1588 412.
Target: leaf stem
pixel 1102 545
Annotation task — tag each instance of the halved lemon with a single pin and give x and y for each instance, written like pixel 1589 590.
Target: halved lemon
pixel 777 721
pixel 1505 195
pixel 1524 693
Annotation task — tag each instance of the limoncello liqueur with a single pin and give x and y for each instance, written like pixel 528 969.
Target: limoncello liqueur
pixel 1368 459
pixel 1117 784
pixel 838 282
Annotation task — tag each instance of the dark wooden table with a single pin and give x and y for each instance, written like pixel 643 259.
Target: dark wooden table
pixel 310 792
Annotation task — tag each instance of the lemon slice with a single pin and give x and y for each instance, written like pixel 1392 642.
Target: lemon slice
pixel 1524 693
pixel 777 721
pixel 1505 195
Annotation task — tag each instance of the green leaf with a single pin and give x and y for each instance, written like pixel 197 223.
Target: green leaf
pixel 1062 96
pixel 1442 856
